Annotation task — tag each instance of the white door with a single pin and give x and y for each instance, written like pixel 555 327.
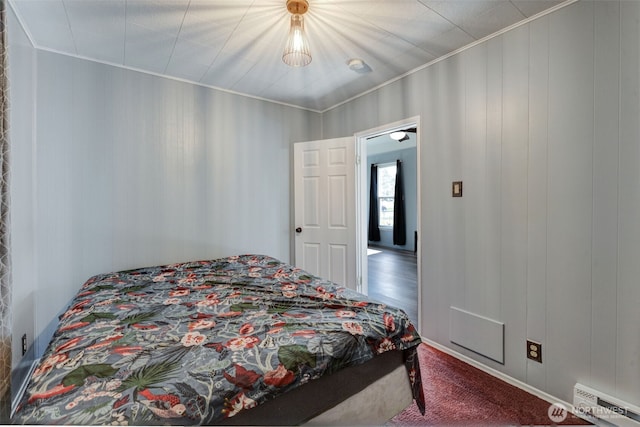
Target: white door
pixel 325 215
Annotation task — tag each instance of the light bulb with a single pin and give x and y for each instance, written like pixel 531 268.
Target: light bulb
pixel 296 52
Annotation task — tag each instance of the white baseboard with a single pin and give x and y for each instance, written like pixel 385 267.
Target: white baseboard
pixel 500 375
pixel 23 387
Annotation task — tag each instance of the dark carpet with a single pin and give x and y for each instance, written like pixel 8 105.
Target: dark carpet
pixel 457 393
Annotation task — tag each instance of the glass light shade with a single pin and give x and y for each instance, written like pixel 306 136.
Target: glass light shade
pixel 296 52
pixel 398 136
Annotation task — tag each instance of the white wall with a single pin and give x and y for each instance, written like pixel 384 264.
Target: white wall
pixel 542 125
pixel 132 169
pixel 22 60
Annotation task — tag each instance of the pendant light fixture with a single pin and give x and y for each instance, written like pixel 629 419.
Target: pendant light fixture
pixel 296 52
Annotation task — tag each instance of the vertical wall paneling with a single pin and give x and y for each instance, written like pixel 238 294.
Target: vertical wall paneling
pixel 222 207
pixel 173 179
pixel 360 113
pixel 22 89
pixel 138 170
pixel 92 162
pixel 570 199
pixel 474 166
pixel 537 193
pixel 606 120
pixel 55 195
pixel 433 196
pixel 452 100
pixel 559 216
pixel 491 218
pixel 128 142
pixel 394 96
pixel 515 136
pixel 197 221
pixel 628 291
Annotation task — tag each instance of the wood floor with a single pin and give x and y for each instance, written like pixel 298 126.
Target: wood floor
pixel 393 279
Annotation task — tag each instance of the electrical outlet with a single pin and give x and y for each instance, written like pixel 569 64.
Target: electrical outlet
pixel 24 344
pixel 534 351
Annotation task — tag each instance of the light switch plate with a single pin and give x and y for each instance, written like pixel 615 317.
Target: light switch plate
pixel 456 189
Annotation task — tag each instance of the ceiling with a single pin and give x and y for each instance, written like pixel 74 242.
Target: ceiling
pixel 236 45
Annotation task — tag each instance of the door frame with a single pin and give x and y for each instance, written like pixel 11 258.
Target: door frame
pixel 362 206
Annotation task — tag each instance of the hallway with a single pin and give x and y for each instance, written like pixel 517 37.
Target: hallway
pixel 393 277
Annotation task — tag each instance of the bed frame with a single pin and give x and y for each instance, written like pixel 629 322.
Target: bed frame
pixel 358 395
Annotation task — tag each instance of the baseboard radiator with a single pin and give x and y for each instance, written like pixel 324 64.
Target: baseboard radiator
pixel 602 409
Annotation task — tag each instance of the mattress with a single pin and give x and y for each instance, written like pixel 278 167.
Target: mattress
pixel 208 341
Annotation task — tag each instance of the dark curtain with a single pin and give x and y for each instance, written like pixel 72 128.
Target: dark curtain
pixel 399 223
pixel 374 231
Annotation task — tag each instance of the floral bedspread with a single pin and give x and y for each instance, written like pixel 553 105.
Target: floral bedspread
pixel 194 343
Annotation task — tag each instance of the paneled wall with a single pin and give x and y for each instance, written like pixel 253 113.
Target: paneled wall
pixel 22 65
pixel 541 124
pixel 128 169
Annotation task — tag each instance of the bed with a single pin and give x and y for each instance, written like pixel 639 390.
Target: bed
pixel 239 340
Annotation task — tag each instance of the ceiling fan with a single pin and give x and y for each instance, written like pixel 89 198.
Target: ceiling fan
pixel 401 135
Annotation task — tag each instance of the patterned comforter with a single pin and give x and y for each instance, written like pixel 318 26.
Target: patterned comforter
pixel 194 343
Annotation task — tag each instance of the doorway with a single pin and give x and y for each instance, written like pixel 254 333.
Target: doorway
pixel 393 278
pixel 390 270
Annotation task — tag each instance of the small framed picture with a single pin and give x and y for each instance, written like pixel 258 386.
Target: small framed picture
pixel 456 189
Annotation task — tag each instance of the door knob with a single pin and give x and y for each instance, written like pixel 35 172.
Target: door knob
pixel 298 229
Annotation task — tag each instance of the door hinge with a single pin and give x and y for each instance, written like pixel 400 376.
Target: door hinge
pixel 357 159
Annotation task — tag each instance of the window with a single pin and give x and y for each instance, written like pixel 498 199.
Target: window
pixel 386 192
